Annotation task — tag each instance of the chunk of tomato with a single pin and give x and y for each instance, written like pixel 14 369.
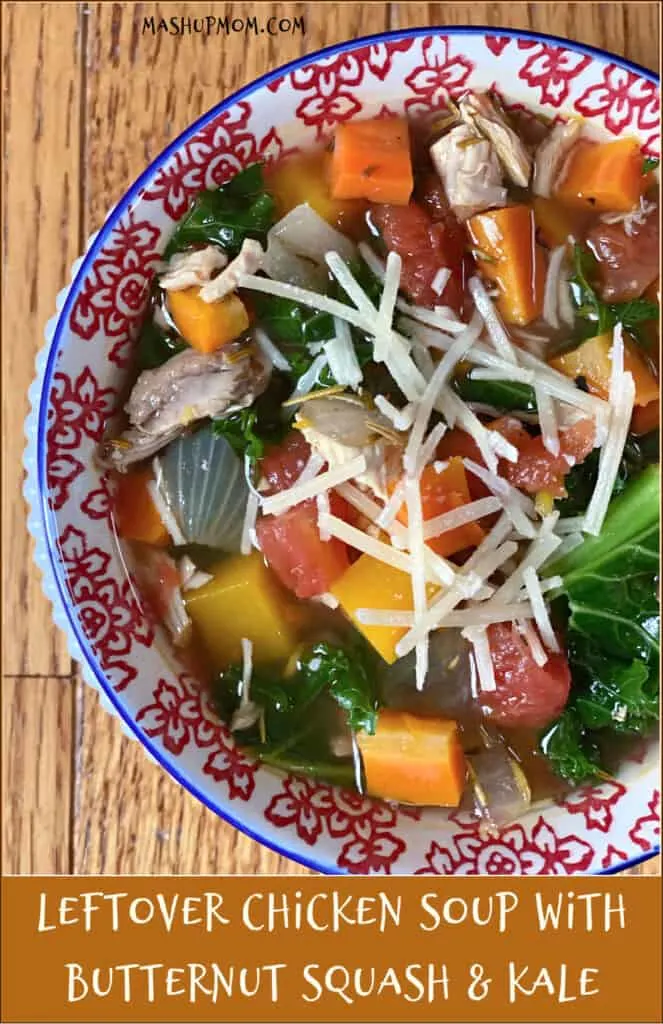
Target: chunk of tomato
pixel 526 695
pixel 424 246
pixel 291 542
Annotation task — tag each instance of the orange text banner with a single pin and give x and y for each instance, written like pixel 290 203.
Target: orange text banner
pixel 331 949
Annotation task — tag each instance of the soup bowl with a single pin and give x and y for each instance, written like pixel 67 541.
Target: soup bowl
pixel 81 372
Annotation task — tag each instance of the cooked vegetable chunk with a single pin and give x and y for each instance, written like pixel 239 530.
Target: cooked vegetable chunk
pixel 207 326
pixel 243 600
pixel 507 254
pixel 592 361
pixel 137 515
pixel 415 760
pixel 371 160
pixel 606 176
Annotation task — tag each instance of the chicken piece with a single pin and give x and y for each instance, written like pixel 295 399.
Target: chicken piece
pixel 193 268
pixel 191 386
pixel 340 429
pixel 627 251
pixel 469 170
pixel 479 112
pixel 551 155
pixel 247 262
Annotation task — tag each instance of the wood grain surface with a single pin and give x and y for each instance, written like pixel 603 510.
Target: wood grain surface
pixel 88 101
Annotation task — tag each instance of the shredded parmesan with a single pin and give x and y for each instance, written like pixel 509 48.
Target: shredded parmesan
pixel 392 506
pixel 494 325
pixel 373 262
pixel 460 516
pixel 401 419
pixel 537 554
pixel 247 713
pixel 277 503
pixel 388 298
pixel 478 637
pixel 322 503
pixel 537 600
pixel 248 527
pixel 429 447
pixel 527 631
pixel 441 279
pixel 342 357
pixel 480 615
pixel 312 300
pixel 165 513
pixel 622 396
pixel 516 504
pixel 431 317
pixel 418 572
pixel 547 420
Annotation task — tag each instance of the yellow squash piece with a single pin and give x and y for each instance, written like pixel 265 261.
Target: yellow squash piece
pixel 207 325
pixel 243 600
pixel 369 583
pixel 591 360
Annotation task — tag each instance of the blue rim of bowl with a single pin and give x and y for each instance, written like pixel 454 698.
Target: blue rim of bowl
pixel 132 193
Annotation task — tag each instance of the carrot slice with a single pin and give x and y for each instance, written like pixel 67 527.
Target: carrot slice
pixel 604 176
pixel 207 325
pixel 591 360
pixel 514 262
pixel 371 160
pixel 136 514
pixel 414 760
pixel 442 492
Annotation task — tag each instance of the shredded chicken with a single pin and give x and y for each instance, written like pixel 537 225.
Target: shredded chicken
pixel 469 170
pixel 480 113
pixel 248 262
pixel 383 458
pixel 551 154
pixel 192 269
pixel 189 387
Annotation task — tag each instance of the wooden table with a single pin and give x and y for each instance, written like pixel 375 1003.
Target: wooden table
pixel 88 102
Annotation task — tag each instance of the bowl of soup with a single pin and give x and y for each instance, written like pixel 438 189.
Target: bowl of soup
pixel 343 457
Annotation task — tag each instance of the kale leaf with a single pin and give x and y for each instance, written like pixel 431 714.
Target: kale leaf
pixel 610 583
pixel 504 395
pixel 155 346
pixel 650 163
pixel 249 431
pixel 298 713
pixel 580 481
pixel 226 216
pixel 344 676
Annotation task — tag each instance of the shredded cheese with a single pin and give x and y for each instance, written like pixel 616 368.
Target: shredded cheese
pixel 418 572
pixel 478 637
pixel 277 503
pixel 494 326
pixel 622 397
pixel 441 279
pixel 342 357
pixel 460 516
pixel 401 419
pixel 248 526
pixel 270 350
pixel 322 503
pixel 527 631
pixel 541 616
pixel 547 420
pixel 479 615
pixel 516 504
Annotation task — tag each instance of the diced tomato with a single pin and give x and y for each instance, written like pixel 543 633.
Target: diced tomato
pixel 293 548
pixel 442 492
pixel 291 541
pixel 538 469
pixel 645 418
pixel 282 465
pixel 424 246
pixel 527 695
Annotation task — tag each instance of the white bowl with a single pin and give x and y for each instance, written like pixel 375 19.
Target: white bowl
pixel 80 372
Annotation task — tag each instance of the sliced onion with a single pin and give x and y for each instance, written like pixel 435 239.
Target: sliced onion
pixel 305 233
pixel 346 420
pixel 282 264
pixel 501 791
pixel 448 690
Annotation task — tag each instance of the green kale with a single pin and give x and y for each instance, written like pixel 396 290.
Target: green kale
pixel 249 431
pixel 505 395
pixel 155 346
pixel 344 676
pixel 226 216
pixel 610 584
pixel 639 452
pixel 650 163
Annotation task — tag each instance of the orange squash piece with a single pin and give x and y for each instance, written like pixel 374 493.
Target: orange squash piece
pixel 514 262
pixel 136 514
pixel 371 160
pixel 442 492
pixel 414 760
pixel 591 360
pixel 207 326
pixel 603 176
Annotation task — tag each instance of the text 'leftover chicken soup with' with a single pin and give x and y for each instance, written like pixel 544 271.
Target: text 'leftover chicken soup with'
pixel 388 468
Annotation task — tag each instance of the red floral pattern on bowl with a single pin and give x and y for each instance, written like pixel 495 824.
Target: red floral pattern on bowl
pixel 81 370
